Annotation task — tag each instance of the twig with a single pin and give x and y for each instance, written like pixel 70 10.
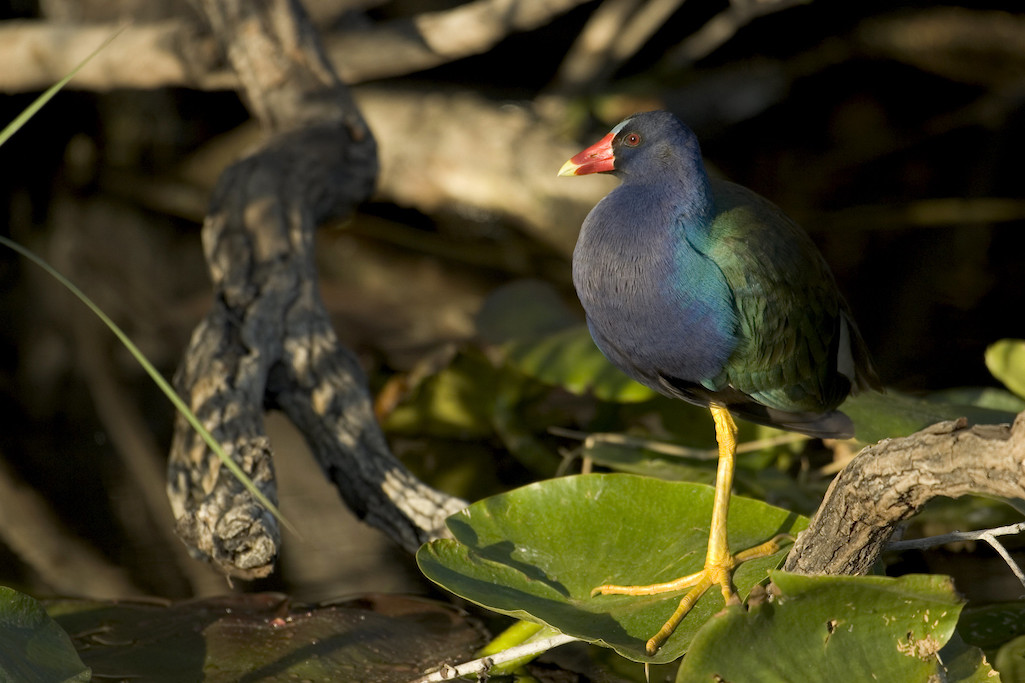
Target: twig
pixel 955 537
pixel 988 535
pixel 675 450
pixel 999 547
pixel 481 667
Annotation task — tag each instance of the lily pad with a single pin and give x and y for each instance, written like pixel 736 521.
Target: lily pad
pixel 879 416
pixel 536 552
pixel 35 648
pixel 833 628
pixel 265 637
pixel 1006 360
pixel 1010 660
pixel 991 626
pixel 980 397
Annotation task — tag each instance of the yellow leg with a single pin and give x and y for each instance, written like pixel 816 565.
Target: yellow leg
pixel 719 562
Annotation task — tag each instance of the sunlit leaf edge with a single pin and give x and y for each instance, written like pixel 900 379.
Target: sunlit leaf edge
pixel 487 562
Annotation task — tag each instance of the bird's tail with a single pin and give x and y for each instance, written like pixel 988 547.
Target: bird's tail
pixel 831 425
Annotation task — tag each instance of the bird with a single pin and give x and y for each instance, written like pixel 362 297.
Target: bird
pixel 704 291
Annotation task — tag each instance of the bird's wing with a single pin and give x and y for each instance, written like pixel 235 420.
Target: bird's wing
pixel 792 320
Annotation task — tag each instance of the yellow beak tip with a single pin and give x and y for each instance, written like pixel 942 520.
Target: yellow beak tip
pixel 568 168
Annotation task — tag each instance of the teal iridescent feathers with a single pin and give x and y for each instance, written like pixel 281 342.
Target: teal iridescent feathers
pixel 707 292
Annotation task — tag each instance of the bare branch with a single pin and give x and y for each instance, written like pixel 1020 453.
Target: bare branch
pixel 890 481
pixel 175 52
pixel 441 152
pixel 721 28
pixel 166 53
pixel 588 56
pixel 991 538
pixel 458 152
pixel 987 535
pixel 971 46
pixel 614 34
pixel 434 38
pixel 268 340
pixel 955 537
pixel 481 667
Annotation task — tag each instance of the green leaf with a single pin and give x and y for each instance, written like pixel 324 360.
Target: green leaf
pixel 536 552
pixel 569 359
pixel 1006 360
pixel 831 628
pixel 966 663
pixel 990 626
pixel 980 397
pixel 1010 660
pixel 512 424
pixel 880 416
pixel 34 648
pixel 455 402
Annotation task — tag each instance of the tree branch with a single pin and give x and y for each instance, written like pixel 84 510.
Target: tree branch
pixel 176 52
pixel 458 151
pixel 721 28
pixel 890 481
pixel 613 34
pixel 431 39
pixel 268 341
pixel 167 53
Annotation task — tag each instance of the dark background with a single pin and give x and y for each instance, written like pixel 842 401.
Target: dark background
pixel 893 134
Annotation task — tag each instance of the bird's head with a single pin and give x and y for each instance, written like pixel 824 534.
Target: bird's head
pixel 642 144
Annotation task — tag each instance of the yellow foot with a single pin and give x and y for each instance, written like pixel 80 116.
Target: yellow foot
pixel 715 572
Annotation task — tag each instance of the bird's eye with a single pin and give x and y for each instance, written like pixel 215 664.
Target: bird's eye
pixel 632 140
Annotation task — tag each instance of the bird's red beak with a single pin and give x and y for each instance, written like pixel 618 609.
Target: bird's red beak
pixel 598 158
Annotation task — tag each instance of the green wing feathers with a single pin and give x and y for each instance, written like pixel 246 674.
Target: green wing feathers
pixel 794 354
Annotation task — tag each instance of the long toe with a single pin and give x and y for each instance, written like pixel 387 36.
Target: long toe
pixel 715 573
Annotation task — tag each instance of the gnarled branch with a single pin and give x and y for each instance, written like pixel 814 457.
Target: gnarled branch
pixel 890 481
pixel 268 341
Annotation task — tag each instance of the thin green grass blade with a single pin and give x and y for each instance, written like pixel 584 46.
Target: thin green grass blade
pixel 158 379
pixel 30 111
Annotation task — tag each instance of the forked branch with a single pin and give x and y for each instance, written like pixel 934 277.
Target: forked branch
pixel 267 341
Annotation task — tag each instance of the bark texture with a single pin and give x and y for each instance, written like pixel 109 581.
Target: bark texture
pixel 890 481
pixel 267 341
